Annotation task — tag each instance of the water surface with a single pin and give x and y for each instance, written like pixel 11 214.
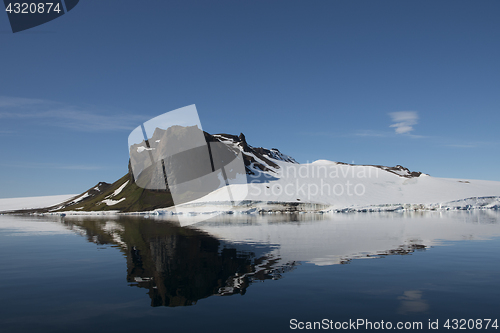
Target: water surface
pixel 246 273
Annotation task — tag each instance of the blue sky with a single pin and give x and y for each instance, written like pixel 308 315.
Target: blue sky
pixel 315 79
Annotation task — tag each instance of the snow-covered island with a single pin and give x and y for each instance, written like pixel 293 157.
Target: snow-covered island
pixel 275 182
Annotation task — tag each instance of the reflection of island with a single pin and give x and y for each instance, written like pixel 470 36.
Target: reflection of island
pixel 223 256
pixel 180 265
pixel 323 239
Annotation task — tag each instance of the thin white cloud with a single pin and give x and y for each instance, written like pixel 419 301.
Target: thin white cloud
pixel 472 144
pixel 359 133
pixel 462 146
pixel 67 116
pixel 28 165
pixel 370 133
pixel 6 101
pixel 404 121
pixel 79 167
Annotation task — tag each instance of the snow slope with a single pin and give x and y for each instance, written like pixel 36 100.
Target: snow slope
pixel 32 202
pixel 343 187
pixel 275 178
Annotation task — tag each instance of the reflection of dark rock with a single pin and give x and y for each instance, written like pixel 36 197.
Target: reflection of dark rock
pixel 177 265
pixel 404 249
pixel 186 268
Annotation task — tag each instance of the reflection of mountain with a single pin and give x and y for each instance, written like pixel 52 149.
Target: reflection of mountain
pixel 330 240
pixel 223 256
pixel 177 265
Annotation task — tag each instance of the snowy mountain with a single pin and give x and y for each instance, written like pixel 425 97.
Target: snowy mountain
pixel 276 182
pixel 125 196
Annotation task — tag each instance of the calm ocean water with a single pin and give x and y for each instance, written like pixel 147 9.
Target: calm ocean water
pixel 269 273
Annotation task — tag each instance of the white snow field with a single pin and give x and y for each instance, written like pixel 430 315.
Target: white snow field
pixel 11 204
pixel 331 186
